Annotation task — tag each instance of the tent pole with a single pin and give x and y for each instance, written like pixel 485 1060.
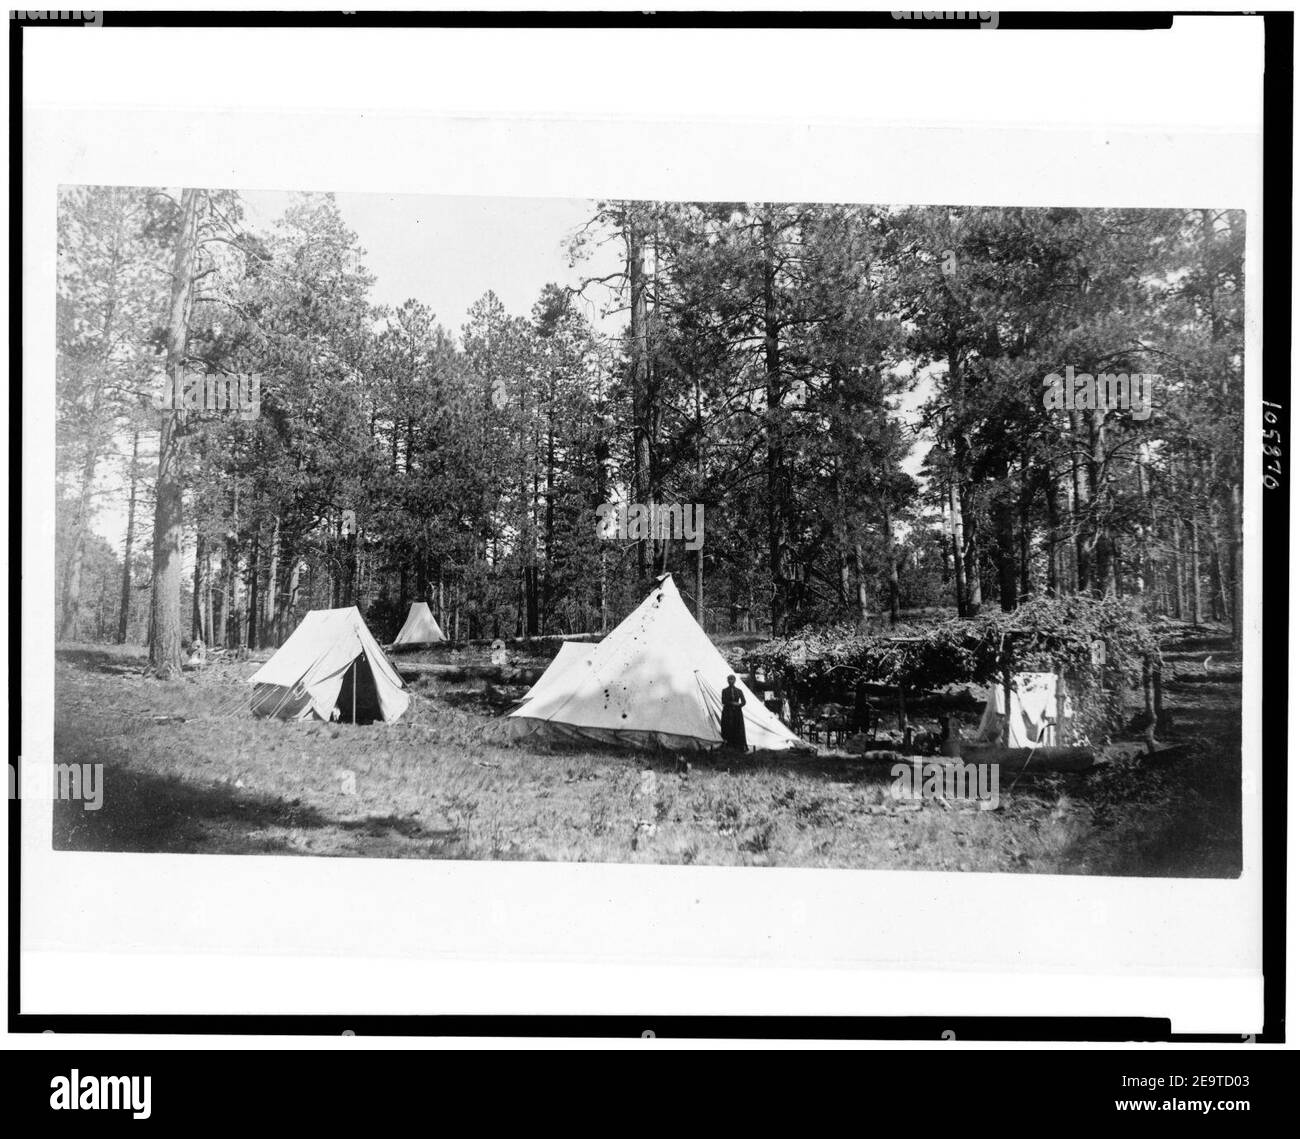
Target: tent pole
pixel 354 695
pixel 1006 704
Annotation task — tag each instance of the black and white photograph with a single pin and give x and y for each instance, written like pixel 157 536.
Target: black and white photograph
pixel 650 526
pixel 721 533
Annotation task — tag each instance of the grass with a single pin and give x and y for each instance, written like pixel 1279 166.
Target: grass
pixel 184 773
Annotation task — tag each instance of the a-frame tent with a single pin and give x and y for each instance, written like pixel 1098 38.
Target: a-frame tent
pixel 655 681
pixel 331 667
pixel 420 627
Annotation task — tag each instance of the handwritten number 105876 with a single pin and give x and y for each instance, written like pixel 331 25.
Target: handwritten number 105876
pixel 1272 447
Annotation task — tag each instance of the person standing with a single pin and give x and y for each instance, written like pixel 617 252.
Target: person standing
pixel 733 719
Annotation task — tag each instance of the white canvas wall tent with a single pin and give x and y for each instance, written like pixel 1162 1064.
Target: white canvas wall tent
pixel 655 681
pixel 420 628
pixel 332 668
pixel 1033 711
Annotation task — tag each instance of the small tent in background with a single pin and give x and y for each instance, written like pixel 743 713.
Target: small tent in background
pixel 655 681
pixel 1033 711
pixel 420 627
pixel 331 668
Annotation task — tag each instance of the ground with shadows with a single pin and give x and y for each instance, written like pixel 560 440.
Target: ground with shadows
pixel 187 770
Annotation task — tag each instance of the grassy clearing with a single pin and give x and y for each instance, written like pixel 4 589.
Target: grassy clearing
pixel 180 776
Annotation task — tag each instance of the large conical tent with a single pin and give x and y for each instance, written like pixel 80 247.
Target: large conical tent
pixel 331 668
pixel 420 627
pixel 655 681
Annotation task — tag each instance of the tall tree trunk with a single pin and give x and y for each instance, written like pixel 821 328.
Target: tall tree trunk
pixel 220 602
pixel 843 555
pixel 958 551
pixel 240 613
pixel 1054 583
pixel 354 566
pixel 1218 589
pixel 289 597
pixel 1180 572
pixel 255 589
pixel 775 431
pixel 532 579
pixel 165 603
pixel 699 502
pixel 124 609
pixel 1194 558
pixel 972 594
pixel 207 597
pixel 860 575
pixel 1103 579
pixel 970 553
pixel 1079 509
pixel 1026 584
pixel 71 600
pixel 1005 547
pixel 891 553
pixel 1218 596
pixel 196 598
pixel 531 596
pixel 1145 575
pixel 604 592
pixel 338 567
pixel 269 605
pixel 548 519
pixel 640 385
pixel 229 599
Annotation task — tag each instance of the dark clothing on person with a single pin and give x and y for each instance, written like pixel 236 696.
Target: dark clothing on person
pixel 733 719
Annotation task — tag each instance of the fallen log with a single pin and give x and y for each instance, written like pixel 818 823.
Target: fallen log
pixel 456 673
pixel 534 642
pixel 421 647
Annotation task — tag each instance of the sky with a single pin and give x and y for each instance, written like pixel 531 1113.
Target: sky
pixel 446 252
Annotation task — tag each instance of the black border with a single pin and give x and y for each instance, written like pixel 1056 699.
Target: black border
pixel 1279 90
pixel 831 19
pixel 1278 87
